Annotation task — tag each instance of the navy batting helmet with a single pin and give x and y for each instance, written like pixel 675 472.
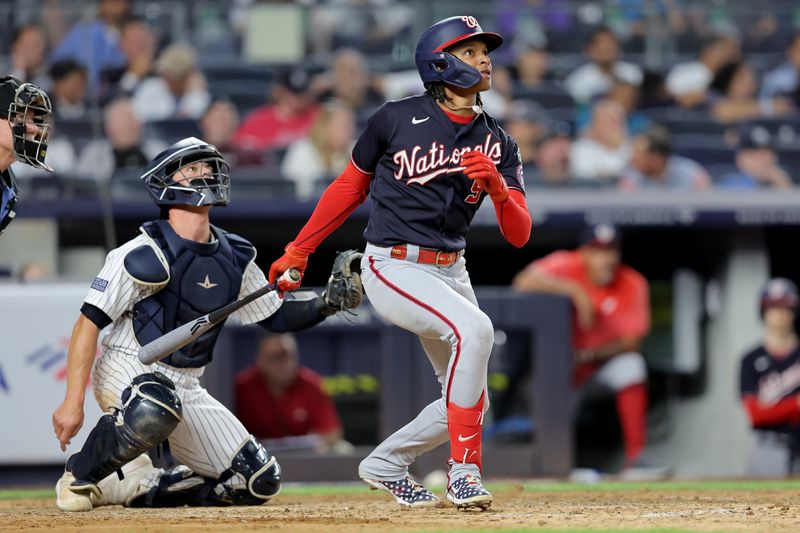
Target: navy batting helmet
pixel 435 65
pixel 779 292
pixel 190 172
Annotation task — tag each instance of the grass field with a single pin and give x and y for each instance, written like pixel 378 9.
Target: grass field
pixel 674 506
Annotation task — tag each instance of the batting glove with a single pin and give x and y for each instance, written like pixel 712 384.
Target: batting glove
pixel 292 258
pixel 479 167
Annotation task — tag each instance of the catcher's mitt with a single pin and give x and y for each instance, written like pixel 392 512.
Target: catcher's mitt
pixel 344 290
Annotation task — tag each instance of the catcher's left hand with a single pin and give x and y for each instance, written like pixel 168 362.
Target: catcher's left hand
pixel 344 289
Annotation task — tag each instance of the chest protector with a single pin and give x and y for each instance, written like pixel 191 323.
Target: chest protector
pixel 203 277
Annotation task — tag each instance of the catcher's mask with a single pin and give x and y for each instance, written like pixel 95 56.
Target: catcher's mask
pixel 190 172
pixel 8 198
pixel 25 105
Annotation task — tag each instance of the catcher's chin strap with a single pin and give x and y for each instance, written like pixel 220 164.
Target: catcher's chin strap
pixel 344 290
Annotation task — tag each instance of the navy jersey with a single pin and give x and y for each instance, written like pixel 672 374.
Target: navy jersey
pixel 770 379
pixel 420 194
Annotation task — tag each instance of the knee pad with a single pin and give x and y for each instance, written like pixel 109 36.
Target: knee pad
pixel 150 411
pixel 261 472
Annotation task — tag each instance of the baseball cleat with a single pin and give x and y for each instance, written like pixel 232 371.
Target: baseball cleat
pixel 468 492
pixel 70 501
pixel 407 492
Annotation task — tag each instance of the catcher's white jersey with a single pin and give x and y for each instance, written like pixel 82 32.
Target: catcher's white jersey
pixel 209 435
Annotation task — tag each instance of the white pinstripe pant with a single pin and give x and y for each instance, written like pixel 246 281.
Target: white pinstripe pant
pixel 209 434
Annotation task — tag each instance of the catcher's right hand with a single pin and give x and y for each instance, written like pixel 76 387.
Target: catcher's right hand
pixel 344 290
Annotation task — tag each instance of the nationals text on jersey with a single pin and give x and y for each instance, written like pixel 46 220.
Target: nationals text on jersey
pixel 436 158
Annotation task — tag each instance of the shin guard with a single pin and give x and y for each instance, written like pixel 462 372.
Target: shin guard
pixel 465 425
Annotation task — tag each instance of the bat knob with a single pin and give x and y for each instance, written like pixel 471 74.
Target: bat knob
pixel 292 275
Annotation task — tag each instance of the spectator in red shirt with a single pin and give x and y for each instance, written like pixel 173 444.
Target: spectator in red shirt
pixel 287 118
pixel 277 398
pixel 611 318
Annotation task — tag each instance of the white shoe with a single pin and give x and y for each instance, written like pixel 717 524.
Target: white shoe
pixel 114 491
pixel 69 501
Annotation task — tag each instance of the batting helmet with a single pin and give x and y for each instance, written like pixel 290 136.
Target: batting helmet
pixel 435 65
pixel 170 183
pixel 779 292
pixel 20 104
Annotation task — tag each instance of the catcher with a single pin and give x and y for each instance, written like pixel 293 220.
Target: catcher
pixel 179 268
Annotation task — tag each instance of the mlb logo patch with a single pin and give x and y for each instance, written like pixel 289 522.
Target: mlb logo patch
pixel 100 284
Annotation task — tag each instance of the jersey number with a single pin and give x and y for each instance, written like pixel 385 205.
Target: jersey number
pixel 476 193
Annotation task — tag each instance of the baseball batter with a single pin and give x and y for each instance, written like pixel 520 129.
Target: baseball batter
pixel 179 268
pixel 428 162
pixel 24 131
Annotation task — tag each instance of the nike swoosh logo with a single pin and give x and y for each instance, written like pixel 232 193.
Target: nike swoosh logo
pixel 464 439
pixel 415 120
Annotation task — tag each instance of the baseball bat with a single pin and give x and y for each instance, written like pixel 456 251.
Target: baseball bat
pixel 179 337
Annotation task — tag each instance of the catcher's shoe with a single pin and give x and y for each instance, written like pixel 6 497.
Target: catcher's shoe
pixel 67 500
pixel 407 492
pixel 468 492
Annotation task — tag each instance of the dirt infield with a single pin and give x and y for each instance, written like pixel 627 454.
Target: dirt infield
pixel 515 507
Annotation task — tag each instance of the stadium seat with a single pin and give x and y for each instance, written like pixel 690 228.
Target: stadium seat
pixel 245 95
pixel 785 131
pixel 548 96
pixel 172 129
pixel 680 122
pixel 705 149
pixel 242 72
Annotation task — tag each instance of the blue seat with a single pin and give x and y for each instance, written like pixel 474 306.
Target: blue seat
pixel 172 129
pixel 705 149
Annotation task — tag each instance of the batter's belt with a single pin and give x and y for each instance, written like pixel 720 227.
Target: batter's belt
pixel 425 256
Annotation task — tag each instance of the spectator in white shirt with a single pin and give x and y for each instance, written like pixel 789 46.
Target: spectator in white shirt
pixel 784 79
pixel 325 151
pixel 123 146
pixel 179 91
pixel 596 77
pixel 688 82
pixel 603 151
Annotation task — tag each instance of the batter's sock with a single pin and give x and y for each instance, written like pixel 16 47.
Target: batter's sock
pixel 465 425
pixel 632 410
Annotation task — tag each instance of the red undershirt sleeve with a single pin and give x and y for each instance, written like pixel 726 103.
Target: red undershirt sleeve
pixel 339 200
pixel 786 411
pixel 514 218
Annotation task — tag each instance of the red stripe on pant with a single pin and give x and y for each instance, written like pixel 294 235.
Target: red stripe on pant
pixel 427 307
pixel 464 424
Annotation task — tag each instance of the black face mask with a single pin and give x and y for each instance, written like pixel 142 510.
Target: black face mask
pixel 23 104
pixel 31 105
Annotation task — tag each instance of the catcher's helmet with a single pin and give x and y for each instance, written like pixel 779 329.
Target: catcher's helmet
pixel 21 103
pixel 435 65
pixel 170 183
pixel 779 292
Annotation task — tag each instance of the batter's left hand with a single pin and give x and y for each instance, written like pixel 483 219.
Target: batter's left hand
pixel 479 166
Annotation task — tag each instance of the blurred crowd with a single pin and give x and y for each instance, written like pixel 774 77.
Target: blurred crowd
pixel 667 94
